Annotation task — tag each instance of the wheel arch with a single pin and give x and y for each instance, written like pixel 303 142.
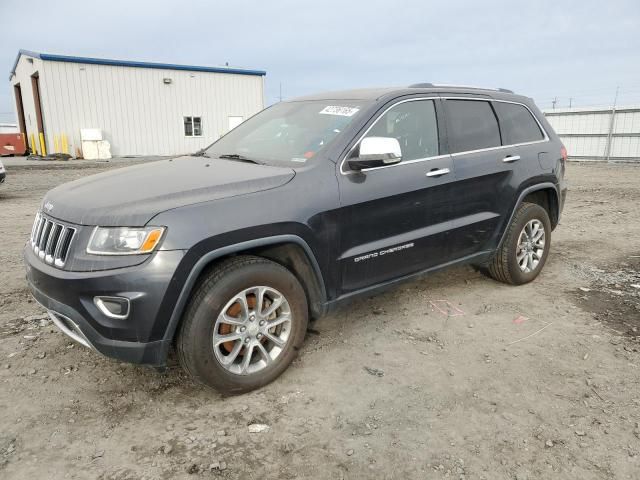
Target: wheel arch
pixel 290 251
pixel 547 193
pixel 548 199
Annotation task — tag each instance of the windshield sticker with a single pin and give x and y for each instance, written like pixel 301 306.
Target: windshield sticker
pixel 338 110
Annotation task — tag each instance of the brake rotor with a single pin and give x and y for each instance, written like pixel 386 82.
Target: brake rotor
pixel 234 311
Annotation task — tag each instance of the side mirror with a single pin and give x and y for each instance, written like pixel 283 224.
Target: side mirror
pixel 376 152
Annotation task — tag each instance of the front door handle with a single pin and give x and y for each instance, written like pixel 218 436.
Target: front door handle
pixel 438 172
pixel 511 158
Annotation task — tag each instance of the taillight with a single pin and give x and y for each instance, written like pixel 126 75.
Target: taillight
pixel 563 153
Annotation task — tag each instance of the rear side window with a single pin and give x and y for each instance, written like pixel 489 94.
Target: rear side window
pixel 473 125
pixel 518 126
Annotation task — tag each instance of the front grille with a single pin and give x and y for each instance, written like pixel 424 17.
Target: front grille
pixel 51 240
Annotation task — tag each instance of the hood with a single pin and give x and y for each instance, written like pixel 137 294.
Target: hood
pixel 131 196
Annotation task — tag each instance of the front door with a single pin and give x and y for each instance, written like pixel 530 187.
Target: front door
pixel 395 218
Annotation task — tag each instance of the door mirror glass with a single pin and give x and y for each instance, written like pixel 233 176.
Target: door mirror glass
pixel 376 152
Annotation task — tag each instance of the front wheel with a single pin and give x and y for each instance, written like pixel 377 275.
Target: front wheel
pixel 244 325
pixel 525 247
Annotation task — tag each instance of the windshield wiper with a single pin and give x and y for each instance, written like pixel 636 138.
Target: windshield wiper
pixel 235 156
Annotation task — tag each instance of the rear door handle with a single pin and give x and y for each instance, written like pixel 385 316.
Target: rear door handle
pixel 511 158
pixel 438 172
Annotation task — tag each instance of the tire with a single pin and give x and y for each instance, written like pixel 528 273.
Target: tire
pixel 504 266
pixel 203 324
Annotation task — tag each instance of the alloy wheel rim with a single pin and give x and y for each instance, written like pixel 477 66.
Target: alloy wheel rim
pixel 252 330
pixel 531 245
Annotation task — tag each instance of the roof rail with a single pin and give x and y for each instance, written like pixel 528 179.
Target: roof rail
pixel 431 85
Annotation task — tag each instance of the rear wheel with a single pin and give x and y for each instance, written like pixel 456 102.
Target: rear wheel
pixel 525 247
pixel 244 325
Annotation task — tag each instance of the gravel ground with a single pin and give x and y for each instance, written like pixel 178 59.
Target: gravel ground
pixel 532 382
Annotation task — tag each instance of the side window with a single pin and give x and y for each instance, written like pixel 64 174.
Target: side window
pixel 414 125
pixel 192 126
pixel 473 125
pixel 518 126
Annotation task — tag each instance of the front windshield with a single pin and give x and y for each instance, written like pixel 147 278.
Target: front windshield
pixel 289 133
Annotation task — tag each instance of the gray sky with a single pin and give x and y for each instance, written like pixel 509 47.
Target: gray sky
pixel 542 48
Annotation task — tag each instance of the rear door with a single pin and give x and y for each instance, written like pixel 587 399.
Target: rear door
pixel 491 161
pixel 522 135
pixel 395 219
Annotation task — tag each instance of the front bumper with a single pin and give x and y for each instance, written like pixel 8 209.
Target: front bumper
pixel 69 298
pixel 2 177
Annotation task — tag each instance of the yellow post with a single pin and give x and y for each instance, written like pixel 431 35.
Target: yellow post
pixel 34 146
pixel 56 146
pixel 44 149
pixel 65 145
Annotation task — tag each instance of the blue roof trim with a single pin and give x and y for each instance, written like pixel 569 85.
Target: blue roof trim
pixel 127 63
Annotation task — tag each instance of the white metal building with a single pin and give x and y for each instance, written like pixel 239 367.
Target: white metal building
pixel 598 133
pixel 141 108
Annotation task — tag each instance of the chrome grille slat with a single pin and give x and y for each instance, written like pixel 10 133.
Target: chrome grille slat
pixel 36 239
pixel 56 253
pixel 46 229
pixel 51 240
pixel 65 245
pixel 36 223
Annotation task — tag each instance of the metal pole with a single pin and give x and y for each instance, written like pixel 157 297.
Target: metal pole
pixel 611 125
pixel 553 102
pixel 570 101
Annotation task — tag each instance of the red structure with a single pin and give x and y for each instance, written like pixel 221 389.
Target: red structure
pixel 12 144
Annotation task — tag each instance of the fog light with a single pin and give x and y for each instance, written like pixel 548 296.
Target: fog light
pixel 113 307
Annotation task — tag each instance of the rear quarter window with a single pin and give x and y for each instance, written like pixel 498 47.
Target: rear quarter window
pixel 472 125
pixel 517 123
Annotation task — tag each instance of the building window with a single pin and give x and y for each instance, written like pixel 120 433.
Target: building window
pixel 192 126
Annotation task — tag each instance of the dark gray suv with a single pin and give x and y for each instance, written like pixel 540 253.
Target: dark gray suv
pixel 227 253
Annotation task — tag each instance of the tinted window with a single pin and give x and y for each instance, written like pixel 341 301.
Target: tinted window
pixel 414 125
pixel 518 126
pixel 473 125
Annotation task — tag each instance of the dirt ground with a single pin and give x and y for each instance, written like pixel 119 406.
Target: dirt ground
pixel 532 382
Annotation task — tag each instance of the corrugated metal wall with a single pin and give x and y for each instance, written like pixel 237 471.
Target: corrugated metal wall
pixel 138 113
pixel 599 134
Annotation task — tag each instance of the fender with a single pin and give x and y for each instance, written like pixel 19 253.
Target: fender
pixel 524 193
pixel 220 252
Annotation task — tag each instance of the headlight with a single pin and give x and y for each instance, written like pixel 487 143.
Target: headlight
pixel 124 240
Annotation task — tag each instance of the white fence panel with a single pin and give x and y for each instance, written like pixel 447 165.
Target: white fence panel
pixel 590 134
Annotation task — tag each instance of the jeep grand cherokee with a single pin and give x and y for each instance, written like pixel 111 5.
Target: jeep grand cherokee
pixel 227 253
